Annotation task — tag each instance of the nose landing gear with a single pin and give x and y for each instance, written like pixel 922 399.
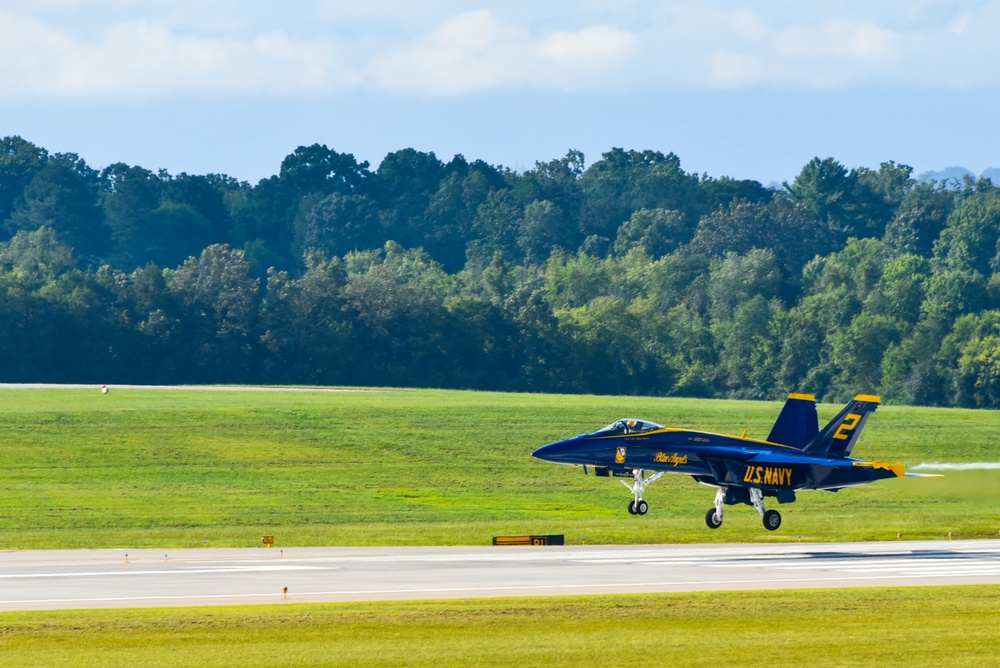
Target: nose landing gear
pixel 637 506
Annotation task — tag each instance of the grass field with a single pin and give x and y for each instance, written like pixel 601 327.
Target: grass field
pixel 931 626
pixel 174 468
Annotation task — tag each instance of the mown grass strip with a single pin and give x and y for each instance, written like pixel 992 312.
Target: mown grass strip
pixel 174 468
pixel 934 626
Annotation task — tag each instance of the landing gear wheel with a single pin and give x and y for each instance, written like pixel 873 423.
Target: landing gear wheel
pixel 631 508
pixel 642 507
pixel 772 520
pixel 712 519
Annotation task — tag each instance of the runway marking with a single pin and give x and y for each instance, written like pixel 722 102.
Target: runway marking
pixel 839 580
pixel 928 564
pixel 166 571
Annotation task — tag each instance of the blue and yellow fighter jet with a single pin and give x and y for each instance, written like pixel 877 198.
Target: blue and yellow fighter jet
pixel 796 456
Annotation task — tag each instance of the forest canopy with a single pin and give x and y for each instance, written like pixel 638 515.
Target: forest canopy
pixel 624 276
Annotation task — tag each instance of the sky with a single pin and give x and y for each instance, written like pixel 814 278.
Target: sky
pixel 740 89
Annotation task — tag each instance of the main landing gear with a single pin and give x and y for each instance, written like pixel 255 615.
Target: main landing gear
pixel 639 484
pixel 772 518
pixel 713 518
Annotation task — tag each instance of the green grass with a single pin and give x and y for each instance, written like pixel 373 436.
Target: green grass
pixel 930 626
pixel 171 468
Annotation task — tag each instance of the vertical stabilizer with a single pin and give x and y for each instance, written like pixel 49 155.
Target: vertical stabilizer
pixel 797 424
pixel 838 437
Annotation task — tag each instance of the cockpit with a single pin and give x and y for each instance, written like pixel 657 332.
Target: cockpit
pixel 629 426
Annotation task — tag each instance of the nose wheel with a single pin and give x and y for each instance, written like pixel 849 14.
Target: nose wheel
pixel 639 484
pixel 640 508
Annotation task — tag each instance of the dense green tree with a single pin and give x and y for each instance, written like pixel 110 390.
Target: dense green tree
pixel 339 224
pixel 978 373
pixel 36 258
pixel 657 231
pixel 859 348
pixel 306 332
pixel 542 231
pixel 404 184
pixel 607 336
pixel 496 226
pixel 63 196
pixel 623 182
pixel 825 187
pixel 806 349
pixel 969 241
pixel 20 161
pixel 789 230
pixel 221 302
pixel 264 219
pixel 951 293
pixel 911 373
pixel 693 356
pixel 877 195
pixel 901 289
pixel 629 276
pixel 482 345
pixel 720 192
pixel 748 357
pixel 396 301
pixel 452 210
pixel 556 181
pixel 736 279
pixel 132 195
pixel 572 281
pixel 858 268
pixel 918 221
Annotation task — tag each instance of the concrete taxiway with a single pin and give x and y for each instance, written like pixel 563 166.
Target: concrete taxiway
pixel 33 580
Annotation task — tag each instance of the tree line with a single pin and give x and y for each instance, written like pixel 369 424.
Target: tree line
pixel 627 276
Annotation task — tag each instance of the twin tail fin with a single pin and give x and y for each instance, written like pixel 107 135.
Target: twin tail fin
pixel 798 425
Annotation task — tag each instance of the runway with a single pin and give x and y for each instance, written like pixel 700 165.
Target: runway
pixel 37 580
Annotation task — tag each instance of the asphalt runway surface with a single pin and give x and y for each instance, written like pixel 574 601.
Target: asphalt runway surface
pixel 40 580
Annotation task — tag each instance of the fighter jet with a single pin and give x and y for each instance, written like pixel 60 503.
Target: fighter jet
pixel 795 456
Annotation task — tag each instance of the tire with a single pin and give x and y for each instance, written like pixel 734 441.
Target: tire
pixel 711 520
pixel 631 508
pixel 642 508
pixel 772 520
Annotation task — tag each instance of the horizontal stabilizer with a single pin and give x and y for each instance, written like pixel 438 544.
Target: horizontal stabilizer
pixel 797 424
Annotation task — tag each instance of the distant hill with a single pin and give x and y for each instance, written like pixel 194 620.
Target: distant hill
pixel 993 174
pixel 955 173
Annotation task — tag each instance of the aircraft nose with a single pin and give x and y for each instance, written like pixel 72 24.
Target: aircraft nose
pixel 557 452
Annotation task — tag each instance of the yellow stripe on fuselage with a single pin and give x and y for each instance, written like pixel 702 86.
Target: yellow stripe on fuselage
pixel 802 397
pixel 671 430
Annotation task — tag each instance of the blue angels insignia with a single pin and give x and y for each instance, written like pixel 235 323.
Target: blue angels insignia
pixel 796 456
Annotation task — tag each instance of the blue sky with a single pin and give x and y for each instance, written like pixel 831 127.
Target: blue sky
pixel 750 90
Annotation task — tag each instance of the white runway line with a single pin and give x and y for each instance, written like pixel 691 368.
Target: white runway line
pixel 650 587
pixel 165 571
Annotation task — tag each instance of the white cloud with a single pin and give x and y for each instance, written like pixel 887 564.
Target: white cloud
pixel 128 48
pixel 476 51
pixel 594 45
pixel 142 59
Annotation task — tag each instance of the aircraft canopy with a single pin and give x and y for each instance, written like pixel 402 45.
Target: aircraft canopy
pixel 630 426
